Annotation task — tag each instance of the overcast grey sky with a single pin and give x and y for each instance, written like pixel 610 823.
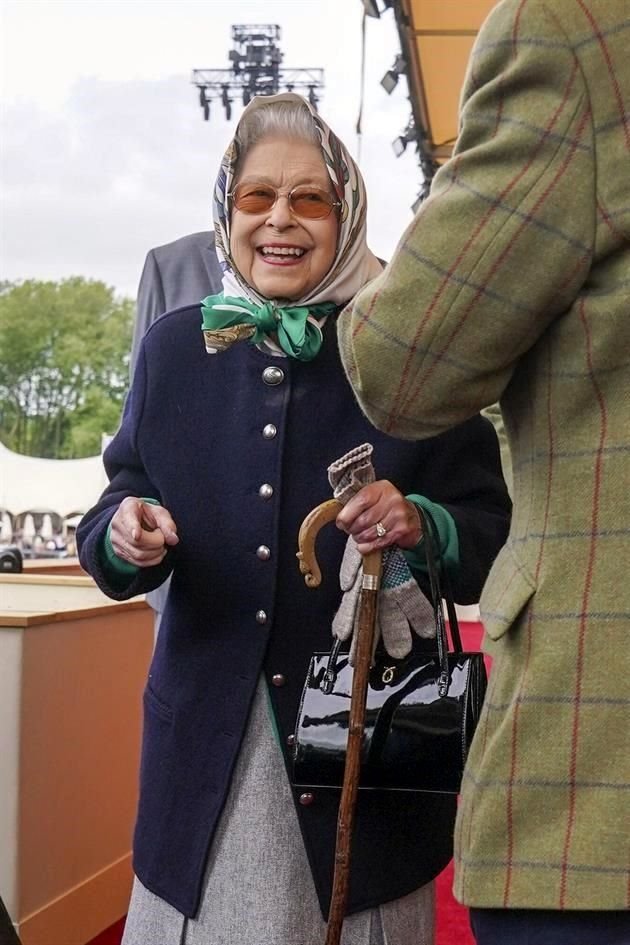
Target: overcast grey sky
pixel 104 151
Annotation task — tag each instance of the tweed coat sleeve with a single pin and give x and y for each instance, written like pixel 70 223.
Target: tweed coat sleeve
pixel 511 285
pixel 500 248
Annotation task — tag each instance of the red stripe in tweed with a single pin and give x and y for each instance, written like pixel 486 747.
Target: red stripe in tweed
pixel 517 23
pixel 597 481
pixel 506 588
pixel 363 318
pixel 489 699
pixel 513 763
pixel 582 263
pixel 501 257
pixel 601 209
pixel 623 114
pixel 466 247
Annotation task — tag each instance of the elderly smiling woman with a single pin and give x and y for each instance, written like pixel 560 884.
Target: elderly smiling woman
pixel 217 461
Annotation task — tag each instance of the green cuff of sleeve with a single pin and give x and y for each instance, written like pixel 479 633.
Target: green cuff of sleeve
pixel 447 532
pixel 114 565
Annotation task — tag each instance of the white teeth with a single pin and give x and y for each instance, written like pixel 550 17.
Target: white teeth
pixel 282 251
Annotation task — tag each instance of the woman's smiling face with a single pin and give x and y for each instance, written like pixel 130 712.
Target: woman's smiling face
pixel 281 255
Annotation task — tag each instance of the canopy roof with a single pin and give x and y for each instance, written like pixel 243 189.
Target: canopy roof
pixel 436 38
pixel 64 486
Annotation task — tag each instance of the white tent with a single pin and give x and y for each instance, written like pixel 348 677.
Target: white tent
pixel 64 486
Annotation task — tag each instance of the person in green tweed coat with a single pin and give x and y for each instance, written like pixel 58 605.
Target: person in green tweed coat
pixel 512 284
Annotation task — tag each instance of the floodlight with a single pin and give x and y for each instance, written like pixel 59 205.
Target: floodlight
pixel 399 144
pixel 204 102
pixel 370 8
pixel 389 81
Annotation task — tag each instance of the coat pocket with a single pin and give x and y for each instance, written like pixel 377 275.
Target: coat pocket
pixel 506 593
pixel 157 706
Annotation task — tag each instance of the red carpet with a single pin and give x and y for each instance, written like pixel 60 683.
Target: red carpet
pixel 110 936
pixel 452 919
pixel 453 927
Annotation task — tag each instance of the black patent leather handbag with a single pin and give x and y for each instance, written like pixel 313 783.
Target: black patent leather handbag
pixel 421 711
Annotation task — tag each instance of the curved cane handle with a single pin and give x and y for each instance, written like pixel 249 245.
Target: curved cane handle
pixel 309 529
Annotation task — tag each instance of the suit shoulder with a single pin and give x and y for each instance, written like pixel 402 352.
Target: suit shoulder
pixel 201 241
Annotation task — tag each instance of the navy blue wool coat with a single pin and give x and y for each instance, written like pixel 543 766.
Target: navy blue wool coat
pixel 202 434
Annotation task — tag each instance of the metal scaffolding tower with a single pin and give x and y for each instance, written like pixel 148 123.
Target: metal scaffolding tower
pixel 256 70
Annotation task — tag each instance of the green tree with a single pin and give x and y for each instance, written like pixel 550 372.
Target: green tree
pixel 64 362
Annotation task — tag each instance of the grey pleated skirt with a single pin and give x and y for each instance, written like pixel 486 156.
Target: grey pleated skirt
pixel 258 888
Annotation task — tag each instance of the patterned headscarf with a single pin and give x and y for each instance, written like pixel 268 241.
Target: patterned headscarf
pixel 354 264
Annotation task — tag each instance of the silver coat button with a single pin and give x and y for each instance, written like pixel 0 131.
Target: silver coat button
pixel 273 376
pixel 261 616
pixel 269 431
pixel 265 491
pixel 263 553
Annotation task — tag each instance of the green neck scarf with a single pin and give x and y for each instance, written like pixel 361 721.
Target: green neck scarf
pixel 298 337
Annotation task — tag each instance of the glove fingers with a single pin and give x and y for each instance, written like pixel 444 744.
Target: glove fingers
pixel 417 610
pixel 350 565
pixel 353 649
pixel 400 586
pixel 343 621
pixel 394 628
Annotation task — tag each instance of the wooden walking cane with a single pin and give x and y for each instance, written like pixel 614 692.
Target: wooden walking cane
pixel 314 521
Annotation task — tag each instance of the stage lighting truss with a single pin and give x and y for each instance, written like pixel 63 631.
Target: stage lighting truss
pixel 256 69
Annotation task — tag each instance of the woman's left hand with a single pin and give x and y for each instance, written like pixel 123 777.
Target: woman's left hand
pixel 379 516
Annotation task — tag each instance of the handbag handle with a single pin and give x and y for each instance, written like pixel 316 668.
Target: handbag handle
pixel 439 591
pixel 433 555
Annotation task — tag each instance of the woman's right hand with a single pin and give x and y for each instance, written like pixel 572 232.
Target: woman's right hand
pixel 141 532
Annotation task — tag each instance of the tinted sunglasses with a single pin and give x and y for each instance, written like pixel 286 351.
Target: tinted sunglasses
pixel 310 203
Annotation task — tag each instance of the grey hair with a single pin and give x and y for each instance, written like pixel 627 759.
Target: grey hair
pixel 277 119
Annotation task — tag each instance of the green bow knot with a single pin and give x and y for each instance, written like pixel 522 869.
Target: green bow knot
pixel 298 337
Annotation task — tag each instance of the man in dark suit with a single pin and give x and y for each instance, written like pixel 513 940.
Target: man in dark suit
pixel 179 273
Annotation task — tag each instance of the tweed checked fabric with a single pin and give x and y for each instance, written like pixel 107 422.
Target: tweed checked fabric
pixel 513 284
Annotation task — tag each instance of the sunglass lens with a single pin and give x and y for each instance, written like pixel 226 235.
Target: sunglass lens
pixel 256 199
pixel 313 204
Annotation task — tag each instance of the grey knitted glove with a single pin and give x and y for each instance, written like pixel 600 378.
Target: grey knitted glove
pixel 350 578
pixel 351 472
pixel 402 607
